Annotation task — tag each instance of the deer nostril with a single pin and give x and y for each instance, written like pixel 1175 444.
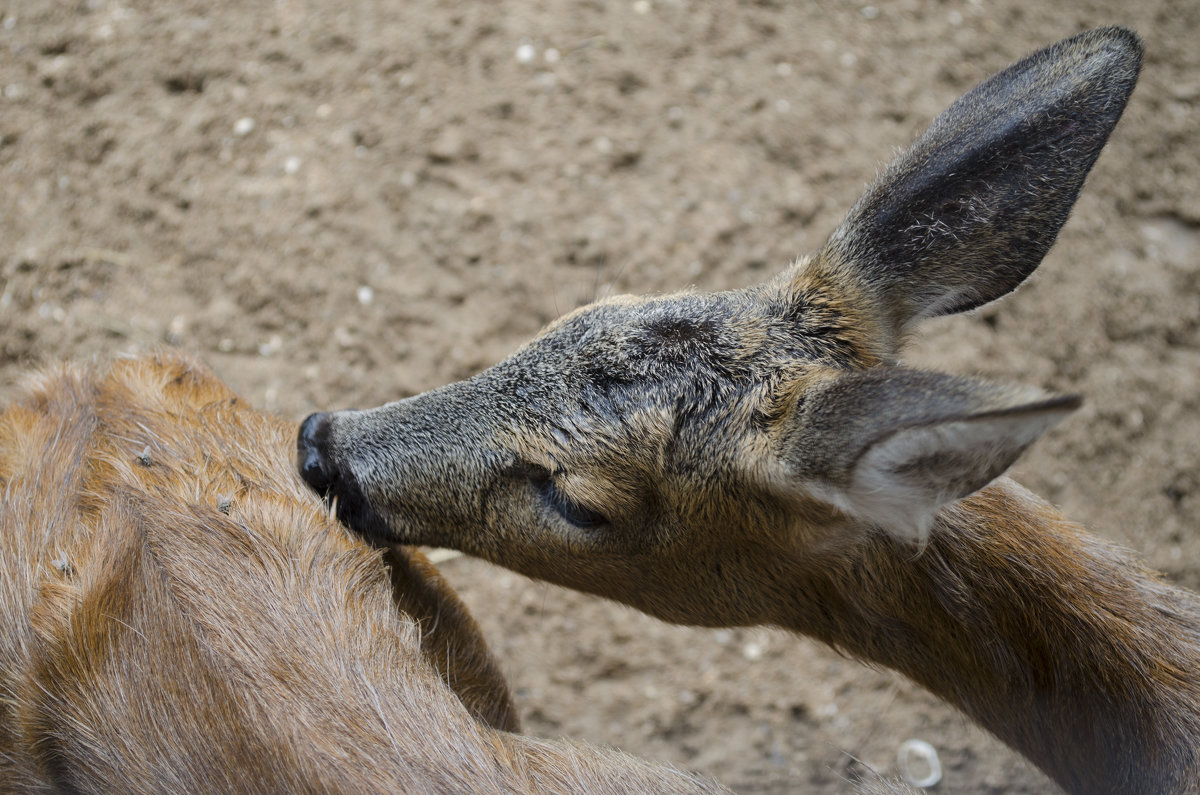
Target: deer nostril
pixel 310 453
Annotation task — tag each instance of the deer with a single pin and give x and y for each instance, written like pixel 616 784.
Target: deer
pixel 180 613
pixel 762 456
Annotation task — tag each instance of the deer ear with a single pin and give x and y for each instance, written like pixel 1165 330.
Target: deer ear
pixel 892 446
pixel 967 213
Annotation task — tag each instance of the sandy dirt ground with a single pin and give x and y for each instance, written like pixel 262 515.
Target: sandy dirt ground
pixel 343 203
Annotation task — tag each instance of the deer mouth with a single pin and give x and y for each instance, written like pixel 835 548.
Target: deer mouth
pixel 337 485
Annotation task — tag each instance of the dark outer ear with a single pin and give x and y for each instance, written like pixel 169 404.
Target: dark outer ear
pixel 968 212
pixel 892 446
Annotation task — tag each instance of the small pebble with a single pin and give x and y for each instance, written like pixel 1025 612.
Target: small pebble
pixel 437 556
pixel 271 346
pixel 449 146
pixel 176 329
pixel 365 295
pixel 291 165
pixel 526 53
pixel 243 126
pixel 919 764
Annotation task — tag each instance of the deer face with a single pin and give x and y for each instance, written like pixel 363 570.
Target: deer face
pixel 668 452
pixel 626 434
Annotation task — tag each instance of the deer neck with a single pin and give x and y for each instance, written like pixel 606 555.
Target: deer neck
pixel 1056 641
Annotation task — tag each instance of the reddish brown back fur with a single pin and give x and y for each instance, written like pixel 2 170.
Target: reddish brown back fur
pixel 179 613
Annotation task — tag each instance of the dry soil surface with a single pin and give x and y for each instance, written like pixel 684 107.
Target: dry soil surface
pixel 343 203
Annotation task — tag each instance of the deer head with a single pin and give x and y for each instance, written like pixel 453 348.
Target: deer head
pixel 670 451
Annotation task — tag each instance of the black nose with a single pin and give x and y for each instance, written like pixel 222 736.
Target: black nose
pixel 310 453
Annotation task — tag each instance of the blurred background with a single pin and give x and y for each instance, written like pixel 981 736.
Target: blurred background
pixel 343 203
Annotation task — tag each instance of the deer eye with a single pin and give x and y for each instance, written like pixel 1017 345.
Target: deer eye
pixel 573 512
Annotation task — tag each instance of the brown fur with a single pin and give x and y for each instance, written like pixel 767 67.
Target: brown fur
pixel 759 457
pixel 1061 643
pixel 178 613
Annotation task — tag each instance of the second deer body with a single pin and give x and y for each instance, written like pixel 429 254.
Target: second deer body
pixel 179 614
pixel 760 457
